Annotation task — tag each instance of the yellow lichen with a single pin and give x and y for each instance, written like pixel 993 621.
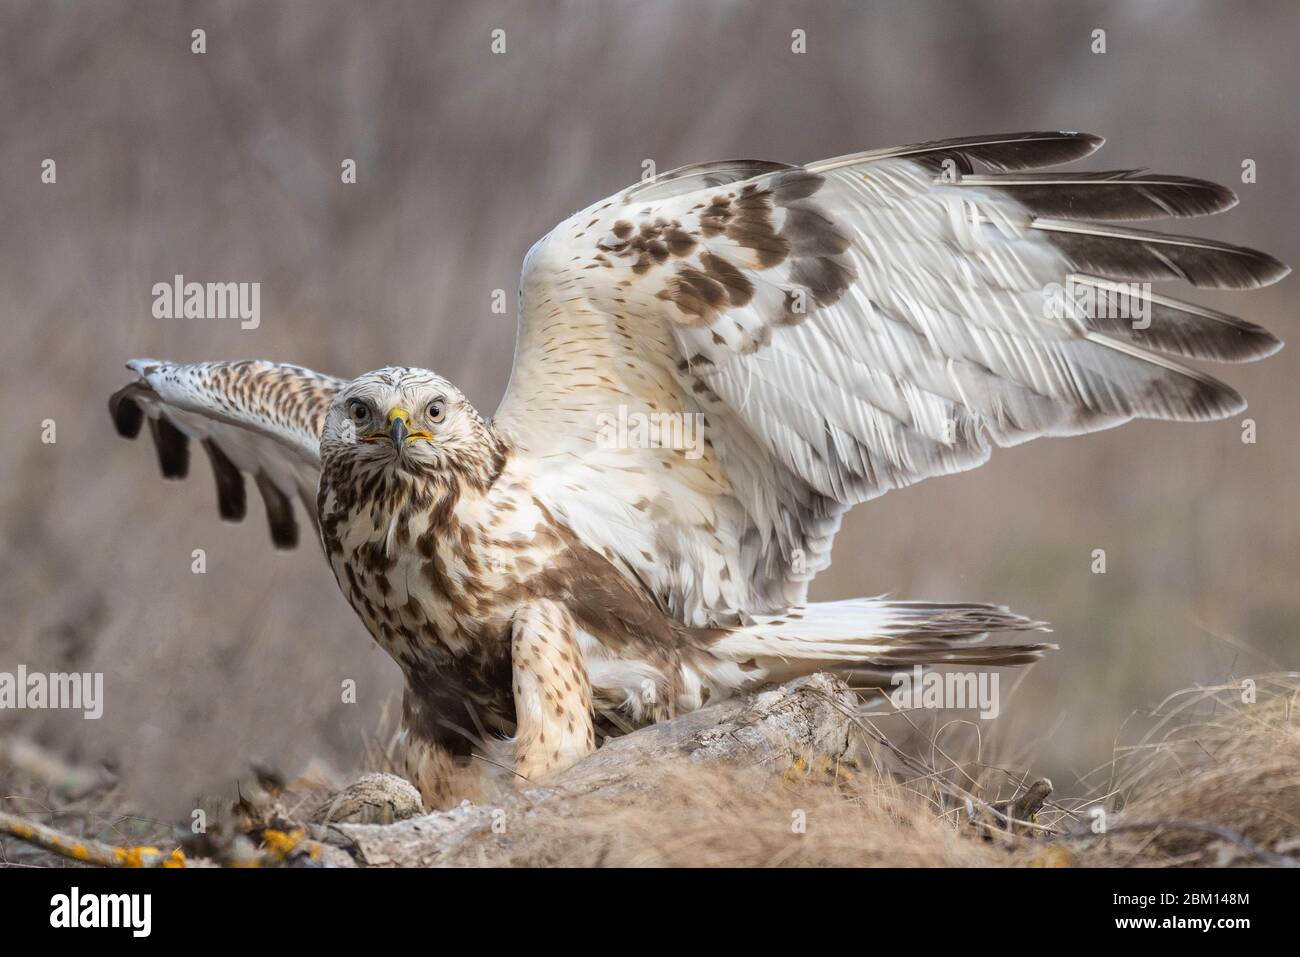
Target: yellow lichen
pixel 142 856
pixel 281 844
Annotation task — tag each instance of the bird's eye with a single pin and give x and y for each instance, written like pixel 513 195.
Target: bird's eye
pixel 358 411
pixel 437 410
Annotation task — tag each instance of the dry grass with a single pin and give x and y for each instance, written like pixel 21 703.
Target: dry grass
pixel 725 817
pixel 1217 783
pixel 1214 763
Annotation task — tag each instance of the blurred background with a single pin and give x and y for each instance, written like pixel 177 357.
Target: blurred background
pixel 225 166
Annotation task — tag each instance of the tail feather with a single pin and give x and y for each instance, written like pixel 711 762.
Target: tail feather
pixel 865 635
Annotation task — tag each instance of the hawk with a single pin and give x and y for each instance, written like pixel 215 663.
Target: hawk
pixel 834 331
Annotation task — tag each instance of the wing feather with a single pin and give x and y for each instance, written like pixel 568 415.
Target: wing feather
pixel 845 328
pixel 259 418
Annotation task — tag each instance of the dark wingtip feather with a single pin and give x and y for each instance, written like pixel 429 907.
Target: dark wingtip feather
pixel 126 412
pixel 279 513
pixel 1171 391
pixel 232 498
pixel 999 151
pixel 1245 342
pixel 173 448
pixel 1200 399
pixel 1017 151
pixel 1140 255
pixel 1039 148
pixel 1278 269
pixel 1092 141
pixel 1110 195
pixel 1162 324
pixel 1254 267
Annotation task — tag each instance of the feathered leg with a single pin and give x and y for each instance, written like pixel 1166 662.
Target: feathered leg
pixel 552 691
pixel 429 766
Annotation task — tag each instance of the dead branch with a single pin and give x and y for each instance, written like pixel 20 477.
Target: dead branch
pixel 806 718
pixel 86 850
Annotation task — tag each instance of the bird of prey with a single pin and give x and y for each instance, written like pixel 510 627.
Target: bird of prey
pixel 822 334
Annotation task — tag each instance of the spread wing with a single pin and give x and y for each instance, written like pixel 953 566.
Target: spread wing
pixel 842 329
pixel 259 418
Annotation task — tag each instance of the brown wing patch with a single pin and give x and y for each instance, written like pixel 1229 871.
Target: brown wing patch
pixel 771 222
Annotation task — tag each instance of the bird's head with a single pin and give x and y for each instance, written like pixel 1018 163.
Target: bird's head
pixel 408 421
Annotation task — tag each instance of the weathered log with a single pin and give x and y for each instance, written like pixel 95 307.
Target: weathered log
pixel 809 718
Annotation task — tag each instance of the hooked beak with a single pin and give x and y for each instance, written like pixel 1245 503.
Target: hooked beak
pixel 398 430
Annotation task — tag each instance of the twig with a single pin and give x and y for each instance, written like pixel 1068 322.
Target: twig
pixel 86 850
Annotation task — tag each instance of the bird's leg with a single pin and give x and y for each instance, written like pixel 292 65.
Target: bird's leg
pixel 429 766
pixel 552 691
